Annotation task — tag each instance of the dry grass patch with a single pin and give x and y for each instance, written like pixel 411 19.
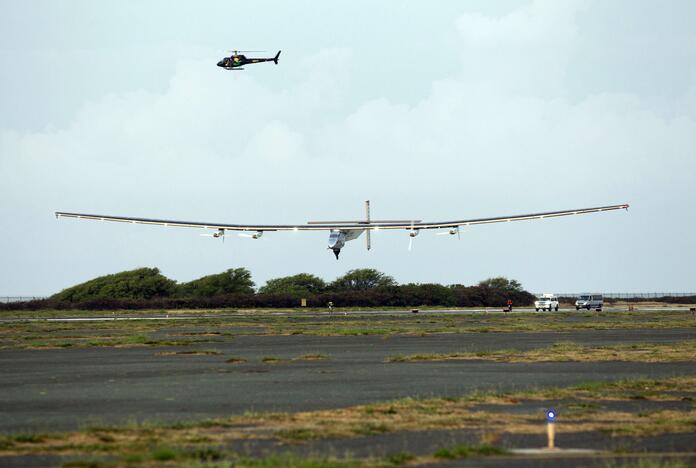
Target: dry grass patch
pixel 569 351
pixel 407 414
pixel 235 360
pixel 312 357
pixel 272 360
pixel 200 352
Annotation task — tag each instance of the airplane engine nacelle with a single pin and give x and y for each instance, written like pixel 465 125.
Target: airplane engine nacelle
pixel 256 235
pixel 413 233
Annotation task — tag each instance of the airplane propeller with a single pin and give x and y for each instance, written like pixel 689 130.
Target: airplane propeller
pixel 412 233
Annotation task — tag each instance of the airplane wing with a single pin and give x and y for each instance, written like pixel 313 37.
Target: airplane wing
pixel 340 225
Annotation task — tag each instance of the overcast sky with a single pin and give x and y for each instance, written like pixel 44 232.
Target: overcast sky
pixel 432 110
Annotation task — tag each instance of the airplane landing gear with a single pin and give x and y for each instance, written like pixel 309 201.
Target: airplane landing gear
pixel 336 252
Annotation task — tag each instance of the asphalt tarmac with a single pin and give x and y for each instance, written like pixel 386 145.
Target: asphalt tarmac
pixel 63 389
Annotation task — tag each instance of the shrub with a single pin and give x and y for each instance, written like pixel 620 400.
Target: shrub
pixel 234 280
pixel 143 283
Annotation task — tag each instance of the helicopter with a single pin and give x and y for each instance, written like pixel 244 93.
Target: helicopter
pixel 237 60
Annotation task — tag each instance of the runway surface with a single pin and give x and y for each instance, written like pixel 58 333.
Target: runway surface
pixel 61 389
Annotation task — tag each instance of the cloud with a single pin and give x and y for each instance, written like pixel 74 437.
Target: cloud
pixel 277 143
pixel 504 134
pixel 525 51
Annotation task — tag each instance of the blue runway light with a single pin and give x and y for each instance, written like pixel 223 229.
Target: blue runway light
pixel 551 415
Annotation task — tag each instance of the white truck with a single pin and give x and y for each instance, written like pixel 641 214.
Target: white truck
pixel 590 301
pixel 546 302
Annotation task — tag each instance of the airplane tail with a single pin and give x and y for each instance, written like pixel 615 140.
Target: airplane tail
pixel 275 59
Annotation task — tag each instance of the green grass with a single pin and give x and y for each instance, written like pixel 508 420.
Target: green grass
pixel 463 451
pixel 165 454
pixel 287 460
pixel 401 458
pixel 581 407
pixel 208 330
pixel 372 428
pixel 30 438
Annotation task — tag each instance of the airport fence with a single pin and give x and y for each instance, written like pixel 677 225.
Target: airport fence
pixel 623 295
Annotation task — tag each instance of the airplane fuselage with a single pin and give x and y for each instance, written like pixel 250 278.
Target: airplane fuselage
pixel 339 237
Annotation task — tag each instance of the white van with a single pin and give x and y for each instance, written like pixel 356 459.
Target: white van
pixel 590 301
pixel 546 301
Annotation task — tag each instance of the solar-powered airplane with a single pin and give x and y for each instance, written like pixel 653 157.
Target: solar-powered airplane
pixel 341 232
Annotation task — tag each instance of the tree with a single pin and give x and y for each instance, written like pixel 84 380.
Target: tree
pixel 143 283
pixel 362 280
pixel 426 294
pixel 234 280
pixel 296 285
pixel 496 291
pixel 502 284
